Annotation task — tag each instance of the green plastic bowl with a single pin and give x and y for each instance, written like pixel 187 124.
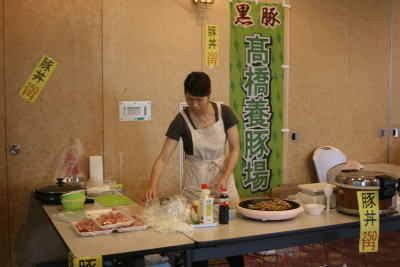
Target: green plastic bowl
pixel 72 206
pixel 67 200
pixel 74 195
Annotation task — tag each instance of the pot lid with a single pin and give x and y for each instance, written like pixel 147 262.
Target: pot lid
pixel 57 189
pixel 363 178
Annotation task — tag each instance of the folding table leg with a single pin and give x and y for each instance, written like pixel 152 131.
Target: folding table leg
pixel 365 260
pixel 187 256
pixel 326 255
pixel 312 257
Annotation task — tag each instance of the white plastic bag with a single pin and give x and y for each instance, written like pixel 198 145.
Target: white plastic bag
pixel 69 216
pixel 68 164
pixel 168 216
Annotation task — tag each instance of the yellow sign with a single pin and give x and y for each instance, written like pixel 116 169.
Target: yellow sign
pixel 212 46
pixel 38 79
pixel 368 205
pixel 96 261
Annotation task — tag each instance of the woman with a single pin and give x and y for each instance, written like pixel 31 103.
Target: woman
pixel 204 127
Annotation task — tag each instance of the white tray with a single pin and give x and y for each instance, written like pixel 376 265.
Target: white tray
pixel 202 225
pixel 137 225
pixel 95 215
pixel 90 233
pixel 131 229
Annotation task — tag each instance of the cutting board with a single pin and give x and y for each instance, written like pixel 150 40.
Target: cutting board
pixel 112 200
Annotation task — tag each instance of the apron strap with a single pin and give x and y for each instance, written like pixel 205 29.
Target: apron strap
pixel 219 111
pixel 187 120
pixel 212 163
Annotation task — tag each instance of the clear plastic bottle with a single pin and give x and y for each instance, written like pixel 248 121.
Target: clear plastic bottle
pixel 203 187
pixel 224 207
pixel 206 208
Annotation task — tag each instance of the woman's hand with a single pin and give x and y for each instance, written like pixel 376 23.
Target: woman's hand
pixel 223 183
pixel 234 147
pixel 149 195
pixel 159 167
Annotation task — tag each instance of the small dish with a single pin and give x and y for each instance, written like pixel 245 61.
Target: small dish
pixel 315 209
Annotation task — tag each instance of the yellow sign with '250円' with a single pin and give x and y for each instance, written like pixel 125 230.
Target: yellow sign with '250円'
pixel 212 46
pixel 368 205
pixel 38 79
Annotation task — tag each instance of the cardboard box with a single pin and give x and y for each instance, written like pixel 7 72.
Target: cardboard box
pixel 283 192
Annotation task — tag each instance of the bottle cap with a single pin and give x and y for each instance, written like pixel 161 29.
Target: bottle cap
pixel 203 186
pixel 224 190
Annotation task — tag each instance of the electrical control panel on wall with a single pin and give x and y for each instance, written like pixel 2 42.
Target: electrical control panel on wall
pixel 135 110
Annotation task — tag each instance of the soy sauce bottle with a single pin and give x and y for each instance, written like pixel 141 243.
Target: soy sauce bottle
pixel 224 207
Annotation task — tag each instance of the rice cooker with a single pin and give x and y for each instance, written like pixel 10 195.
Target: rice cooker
pixel 350 181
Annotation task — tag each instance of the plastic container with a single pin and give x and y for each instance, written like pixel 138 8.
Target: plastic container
pixel 206 208
pixel 224 207
pixel 203 187
pixel 316 199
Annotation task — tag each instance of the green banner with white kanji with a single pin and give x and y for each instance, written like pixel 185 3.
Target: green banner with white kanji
pixel 257 93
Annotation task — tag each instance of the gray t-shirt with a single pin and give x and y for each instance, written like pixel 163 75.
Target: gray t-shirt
pixel 178 127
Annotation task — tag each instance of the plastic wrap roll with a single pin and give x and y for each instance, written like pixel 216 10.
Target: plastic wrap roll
pixel 96 170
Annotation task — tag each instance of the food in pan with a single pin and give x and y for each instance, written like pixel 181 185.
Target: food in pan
pixel 271 205
pixel 248 208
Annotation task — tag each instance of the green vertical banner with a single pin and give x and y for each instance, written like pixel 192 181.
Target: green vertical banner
pixel 257 93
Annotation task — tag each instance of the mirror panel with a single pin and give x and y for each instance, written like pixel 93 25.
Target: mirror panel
pixel 344 101
pixel 395 91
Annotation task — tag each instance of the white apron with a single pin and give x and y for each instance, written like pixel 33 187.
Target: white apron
pixel 207 164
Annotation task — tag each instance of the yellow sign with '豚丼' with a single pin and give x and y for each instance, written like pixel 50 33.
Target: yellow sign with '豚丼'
pixel 85 262
pixel 38 79
pixel 368 205
pixel 212 46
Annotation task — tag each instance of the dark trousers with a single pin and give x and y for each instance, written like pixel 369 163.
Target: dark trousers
pixel 234 261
